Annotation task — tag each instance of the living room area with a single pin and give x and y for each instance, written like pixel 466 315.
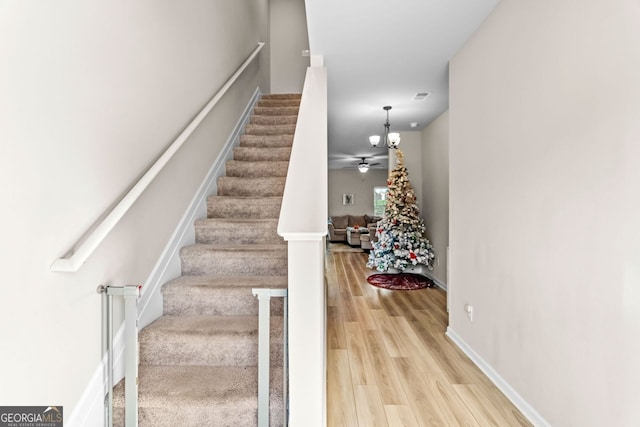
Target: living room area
pixel 356 203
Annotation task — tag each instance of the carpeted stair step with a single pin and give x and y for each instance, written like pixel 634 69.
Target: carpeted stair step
pixel 243 207
pixel 265 187
pixel 234 260
pixel 266 141
pixel 276 111
pixel 278 103
pixel 171 396
pixel 238 231
pixel 273 120
pixel 286 129
pixel 282 96
pixel 251 169
pixel 207 341
pixel 258 154
pixel 219 296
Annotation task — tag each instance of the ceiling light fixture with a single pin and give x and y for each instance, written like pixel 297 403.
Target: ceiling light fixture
pixel 391 139
pixel 363 166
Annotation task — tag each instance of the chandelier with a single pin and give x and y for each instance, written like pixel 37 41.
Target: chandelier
pixel 391 139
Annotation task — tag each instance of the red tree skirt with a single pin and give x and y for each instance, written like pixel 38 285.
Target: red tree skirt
pixel 400 282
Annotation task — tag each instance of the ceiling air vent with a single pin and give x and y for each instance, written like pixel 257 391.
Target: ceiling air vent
pixel 421 96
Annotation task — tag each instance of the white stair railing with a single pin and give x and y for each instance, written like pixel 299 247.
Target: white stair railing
pixel 264 347
pixel 130 294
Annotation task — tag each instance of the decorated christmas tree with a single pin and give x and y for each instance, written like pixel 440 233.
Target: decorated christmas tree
pixel 401 242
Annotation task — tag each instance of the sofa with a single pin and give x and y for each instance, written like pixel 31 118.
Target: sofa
pixel 366 240
pixel 338 225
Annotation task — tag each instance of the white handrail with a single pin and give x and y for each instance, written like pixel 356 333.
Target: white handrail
pixel 88 245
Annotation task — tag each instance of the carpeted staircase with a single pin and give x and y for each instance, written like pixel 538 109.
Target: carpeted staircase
pixel 198 362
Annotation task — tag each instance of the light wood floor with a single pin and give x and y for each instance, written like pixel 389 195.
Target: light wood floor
pixel 389 362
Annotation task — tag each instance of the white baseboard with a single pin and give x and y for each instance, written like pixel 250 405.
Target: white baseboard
pixel 439 283
pixel 424 271
pixel 527 410
pixel 89 411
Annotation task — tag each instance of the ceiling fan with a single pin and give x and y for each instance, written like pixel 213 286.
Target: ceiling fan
pixel 351 161
pixel 363 165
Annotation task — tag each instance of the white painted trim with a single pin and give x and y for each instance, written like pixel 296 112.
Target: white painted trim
pixel 89 411
pixel 304 202
pixel 89 244
pixel 317 60
pixel 302 236
pixel 424 271
pixel 168 265
pixel 527 410
pixel 303 222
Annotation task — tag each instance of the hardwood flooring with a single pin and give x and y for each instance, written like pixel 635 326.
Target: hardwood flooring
pixel 389 362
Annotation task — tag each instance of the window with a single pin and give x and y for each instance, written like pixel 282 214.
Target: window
pixel 379 200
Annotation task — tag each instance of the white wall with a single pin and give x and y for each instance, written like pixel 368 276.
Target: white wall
pixel 545 206
pixel 91 94
pixel 351 181
pixel 289 37
pixel 435 190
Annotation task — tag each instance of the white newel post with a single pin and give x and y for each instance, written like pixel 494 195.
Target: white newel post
pixel 307 342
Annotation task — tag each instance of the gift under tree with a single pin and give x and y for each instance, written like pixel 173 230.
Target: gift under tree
pixel 401 243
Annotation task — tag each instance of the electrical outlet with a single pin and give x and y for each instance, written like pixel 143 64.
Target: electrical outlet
pixel 437 261
pixel 469 310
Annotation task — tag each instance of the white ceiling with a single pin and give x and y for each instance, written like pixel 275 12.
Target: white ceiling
pixel 383 52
